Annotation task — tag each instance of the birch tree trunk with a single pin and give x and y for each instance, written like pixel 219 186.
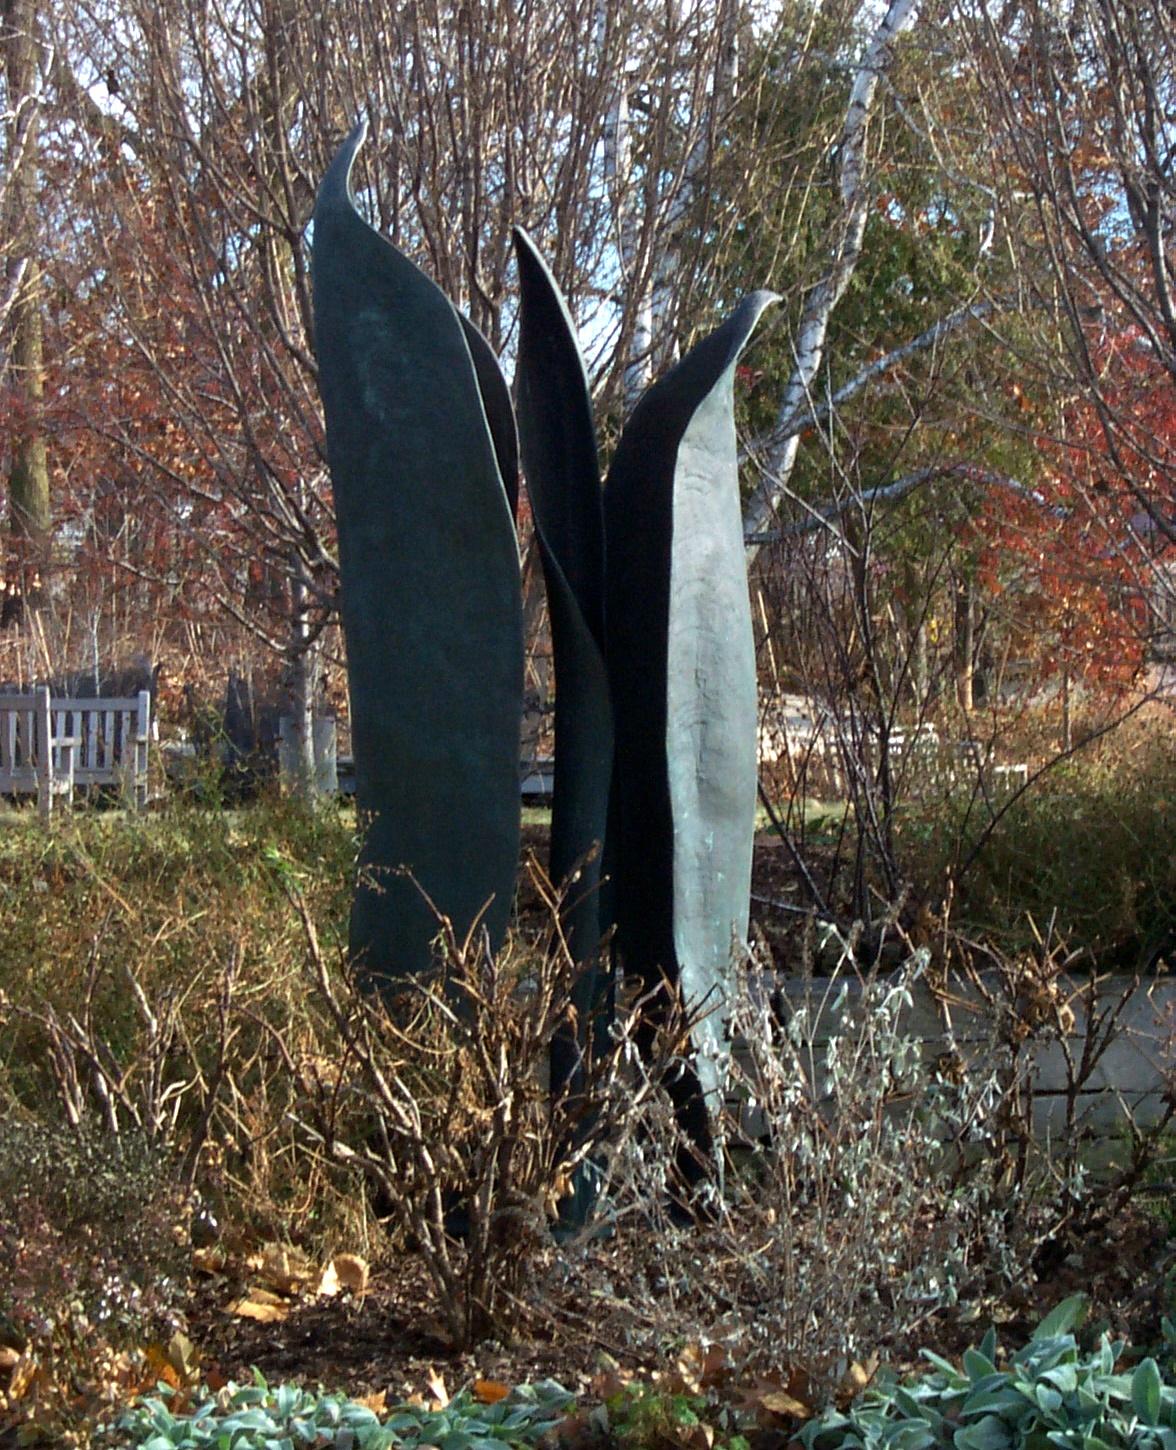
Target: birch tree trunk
pixel 854 185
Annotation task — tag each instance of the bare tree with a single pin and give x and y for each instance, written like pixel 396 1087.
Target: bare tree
pixel 1080 116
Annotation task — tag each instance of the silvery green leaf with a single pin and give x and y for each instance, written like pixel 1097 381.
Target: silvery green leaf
pixel 977 1364
pixel 1063 1378
pixel 988 1433
pixel 945 1367
pixel 1145 1391
pixel 1048 1399
pixel 1063 1318
pixel 909 1437
pixel 996 1401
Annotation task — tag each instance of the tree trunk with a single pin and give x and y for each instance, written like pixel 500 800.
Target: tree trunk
pixel 965 644
pixel 302 689
pixel 28 481
pixel 853 184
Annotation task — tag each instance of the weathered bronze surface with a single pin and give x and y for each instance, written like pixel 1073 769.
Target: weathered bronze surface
pixel 430 591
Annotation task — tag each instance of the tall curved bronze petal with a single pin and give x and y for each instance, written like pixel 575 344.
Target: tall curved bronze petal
pixel 558 444
pixel 430 594
pixel 682 670
pixel 498 408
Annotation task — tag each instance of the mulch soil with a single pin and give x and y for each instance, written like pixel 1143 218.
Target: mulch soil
pixel 605 1302
pixel 607 1312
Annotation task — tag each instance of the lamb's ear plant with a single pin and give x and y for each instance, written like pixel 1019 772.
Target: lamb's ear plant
pixel 1050 1393
pixel 258 1417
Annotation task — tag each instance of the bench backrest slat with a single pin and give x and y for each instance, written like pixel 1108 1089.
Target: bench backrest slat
pixel 105 740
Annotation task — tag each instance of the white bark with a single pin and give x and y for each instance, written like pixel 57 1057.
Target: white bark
pixel 618 161
pixel 814 326
pixel 669 261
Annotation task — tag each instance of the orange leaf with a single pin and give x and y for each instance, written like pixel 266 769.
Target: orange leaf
pixel 436 1387
pixel 489 1392
pixel 266 1310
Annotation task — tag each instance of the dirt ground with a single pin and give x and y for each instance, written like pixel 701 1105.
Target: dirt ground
pixel 389 1341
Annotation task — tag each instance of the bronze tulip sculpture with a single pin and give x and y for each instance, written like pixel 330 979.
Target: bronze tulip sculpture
pixel 655 727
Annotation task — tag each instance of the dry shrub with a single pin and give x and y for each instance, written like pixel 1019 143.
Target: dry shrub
pixel 145 969
pixel 871 1181
pixel 439 1097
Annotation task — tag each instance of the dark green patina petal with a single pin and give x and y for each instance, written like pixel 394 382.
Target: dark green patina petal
pixel 563 479
pixel 498 408
pixel 558 443
pixel 682 669
pixel 430 593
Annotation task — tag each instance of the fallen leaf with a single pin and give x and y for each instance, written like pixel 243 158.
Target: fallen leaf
pixel 209 1260
pixel 160 1369
pixel 780 1402
pixel 352 1272
pixel 609 1379
pixel 489 1392
pixel 9 1357
pixel 24 1372
pixel 377 1403
pixel 854 1381
pixel 328 1282
pixel 259 1305
pixel 184 1357
pixel 284 1268
pixel 702 1367
pixel 436 1387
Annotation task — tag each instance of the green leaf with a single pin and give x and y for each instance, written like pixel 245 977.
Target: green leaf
pixel 978 1365
pixel 1063 1318
pixel 995 1401
pixel 945 1367
pixel 1048 1399
pixel 1145 1391
pixel 988 1433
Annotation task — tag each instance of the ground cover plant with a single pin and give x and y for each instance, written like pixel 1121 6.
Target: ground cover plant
pixel 1052 1391
pixel 260 1417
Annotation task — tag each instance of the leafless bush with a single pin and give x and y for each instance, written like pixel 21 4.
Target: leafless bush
pixel 440 1099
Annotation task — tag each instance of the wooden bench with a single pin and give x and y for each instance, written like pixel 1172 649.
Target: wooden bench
pixel 32 760
pixel 49 744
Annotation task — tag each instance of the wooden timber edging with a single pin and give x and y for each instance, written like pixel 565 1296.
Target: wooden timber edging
pixel 1131 1080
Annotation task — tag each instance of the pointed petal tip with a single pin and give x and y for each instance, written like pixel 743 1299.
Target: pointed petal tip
pixel 335 188
pixel 757 303
pixel 525 248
